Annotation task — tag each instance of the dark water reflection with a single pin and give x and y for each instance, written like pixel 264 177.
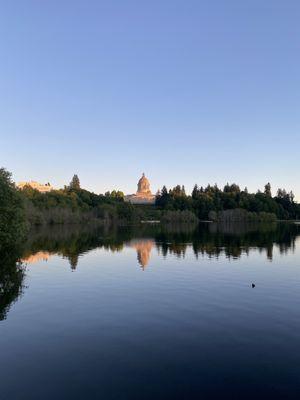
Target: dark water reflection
pixel 187 328
pixel 233 240
pixel 71 242
pixel 12 274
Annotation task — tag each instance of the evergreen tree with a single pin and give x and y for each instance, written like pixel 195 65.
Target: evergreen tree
pixel 216 189
pixel 164 191
pixel 234 188
pixel 281 193
pixel 195 192
pixel 226 188
pixel 75 183
pixel 268 190
pixel 176 191
pixel 162 199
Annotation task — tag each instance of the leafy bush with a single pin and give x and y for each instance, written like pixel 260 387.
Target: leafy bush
pixel 179 217
pixel 12 218
pixel 238 215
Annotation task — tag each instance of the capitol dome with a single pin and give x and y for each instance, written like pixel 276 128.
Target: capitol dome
pixel 143 194
pixel 143 185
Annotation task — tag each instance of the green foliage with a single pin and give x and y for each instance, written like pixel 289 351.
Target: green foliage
pixel 76 206
pixel 179 217
pixel 204 201
pixel 240 215
pixel 115 194
pixel 12 219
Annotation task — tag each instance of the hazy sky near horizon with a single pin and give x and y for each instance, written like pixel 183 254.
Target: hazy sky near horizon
pixel 185 91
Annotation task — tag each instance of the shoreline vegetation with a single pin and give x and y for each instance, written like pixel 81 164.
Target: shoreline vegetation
pixel 22 208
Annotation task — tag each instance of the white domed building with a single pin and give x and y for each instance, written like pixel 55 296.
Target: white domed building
pixel 143 194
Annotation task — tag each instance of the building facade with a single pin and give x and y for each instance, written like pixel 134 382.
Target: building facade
pixel 43 188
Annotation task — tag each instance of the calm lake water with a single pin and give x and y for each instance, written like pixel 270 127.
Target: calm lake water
pixel 152 313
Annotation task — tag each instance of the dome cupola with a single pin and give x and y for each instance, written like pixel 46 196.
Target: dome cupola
pixel 143 185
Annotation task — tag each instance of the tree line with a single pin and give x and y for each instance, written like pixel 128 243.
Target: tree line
pixel 73 204
pixel 211 201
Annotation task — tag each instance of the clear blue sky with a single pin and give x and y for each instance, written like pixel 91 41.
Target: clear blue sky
pixel 185 91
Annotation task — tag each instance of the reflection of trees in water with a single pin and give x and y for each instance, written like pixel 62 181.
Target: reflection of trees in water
pixel 212 240
pixel 232 240
pixel 70 242
pixel 67 241
pixel 12 274
pixel 73 259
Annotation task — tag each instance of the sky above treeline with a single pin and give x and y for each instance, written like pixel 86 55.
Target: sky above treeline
pixel 185 91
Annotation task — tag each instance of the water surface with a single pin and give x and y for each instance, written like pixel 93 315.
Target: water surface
pixel 152 313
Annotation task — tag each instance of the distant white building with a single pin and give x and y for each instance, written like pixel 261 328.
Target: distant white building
pixel 37 186
pixel 143 194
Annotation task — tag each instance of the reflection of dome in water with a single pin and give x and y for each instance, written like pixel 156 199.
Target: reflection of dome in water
pixel 39 256
pixel 143 249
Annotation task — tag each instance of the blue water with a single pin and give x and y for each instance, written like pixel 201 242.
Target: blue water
pixel 155 315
